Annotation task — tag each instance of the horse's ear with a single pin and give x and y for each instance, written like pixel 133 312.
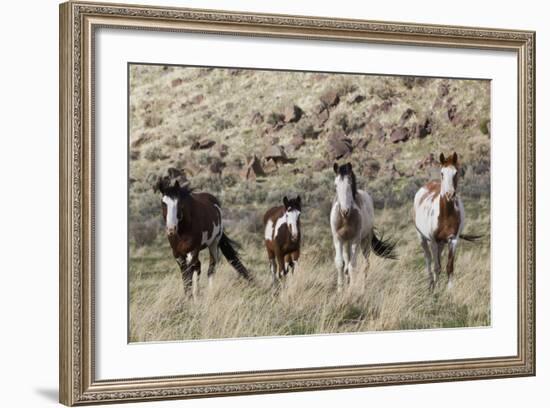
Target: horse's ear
pixel 285 202
pixel 442 158
pixel 177 184
pixel 348 165
pixel 455 158
pixel 299 200
pixel 335 168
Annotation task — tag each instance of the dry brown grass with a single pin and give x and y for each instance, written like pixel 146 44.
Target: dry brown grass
pixel 392 295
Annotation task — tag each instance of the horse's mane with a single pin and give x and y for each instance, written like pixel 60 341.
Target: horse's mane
pixel 353 185
pixel 186 190
pixel 173 190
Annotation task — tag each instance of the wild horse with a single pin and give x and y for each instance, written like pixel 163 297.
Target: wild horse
pixel 439 219
pixel 352 225
pixel 282 237
pixel 193 223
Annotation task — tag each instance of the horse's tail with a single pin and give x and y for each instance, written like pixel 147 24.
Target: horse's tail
pixel 383 248
pixel 470 237
pixel 228 248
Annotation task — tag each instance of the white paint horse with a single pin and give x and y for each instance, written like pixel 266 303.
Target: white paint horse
pixel 439 218
pixel 352 225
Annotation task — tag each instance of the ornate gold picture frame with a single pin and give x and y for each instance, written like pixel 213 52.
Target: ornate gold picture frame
pixel 78 24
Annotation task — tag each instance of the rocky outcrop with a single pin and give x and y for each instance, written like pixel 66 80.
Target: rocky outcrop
pixel 203 144
pixel 339 146
pixel 400 134
pixel 253 169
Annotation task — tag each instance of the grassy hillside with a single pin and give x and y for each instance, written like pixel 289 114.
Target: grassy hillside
pixel 212 124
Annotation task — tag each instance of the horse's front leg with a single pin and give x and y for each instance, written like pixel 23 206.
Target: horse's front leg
pixel 346 256
pixel 195 267
pixel 294 259
pixel 451 262
pixel 281 264
pixel 272 262
pixel 436 255
pixel 186 273
pixel 428 260
pixel 339 263
pixel 273 269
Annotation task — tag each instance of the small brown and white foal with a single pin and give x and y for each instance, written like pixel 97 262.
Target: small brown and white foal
pixel 282 237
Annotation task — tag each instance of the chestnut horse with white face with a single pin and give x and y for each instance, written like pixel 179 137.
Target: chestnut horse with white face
pixel 352 225
pixel 282 237
pixel 439 218
pixel 193 223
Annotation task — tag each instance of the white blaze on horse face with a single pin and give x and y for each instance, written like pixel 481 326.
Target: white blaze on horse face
pixel 447 183
pixel 292 218
pixel 344 193
pixel 171 212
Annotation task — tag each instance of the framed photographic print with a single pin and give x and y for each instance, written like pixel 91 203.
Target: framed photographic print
pixel 256 203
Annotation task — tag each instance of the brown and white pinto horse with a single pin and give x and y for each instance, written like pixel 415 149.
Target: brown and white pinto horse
pixel 352 225
pixel 193 223
pixel 282 237
pixel 439 218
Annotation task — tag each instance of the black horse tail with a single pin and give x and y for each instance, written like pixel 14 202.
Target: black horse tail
pixel 228 248
pixel 470 237
pixel 383 248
